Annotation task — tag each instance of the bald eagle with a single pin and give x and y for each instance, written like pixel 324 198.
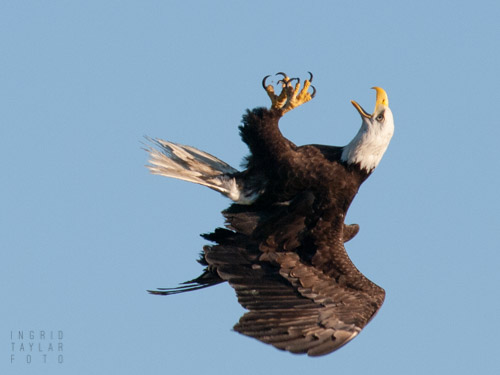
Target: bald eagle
pixel 282 248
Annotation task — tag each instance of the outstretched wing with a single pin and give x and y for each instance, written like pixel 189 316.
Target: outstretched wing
pixel 293 305
pixel 300 309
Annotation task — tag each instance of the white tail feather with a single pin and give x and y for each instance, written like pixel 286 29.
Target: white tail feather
pixel 190 164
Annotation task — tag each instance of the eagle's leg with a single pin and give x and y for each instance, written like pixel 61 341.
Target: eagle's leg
pixel 290 96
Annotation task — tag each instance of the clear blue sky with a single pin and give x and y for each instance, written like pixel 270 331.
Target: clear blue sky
pixel 86 230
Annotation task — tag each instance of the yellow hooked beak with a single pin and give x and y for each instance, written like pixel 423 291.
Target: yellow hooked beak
pixel 381 102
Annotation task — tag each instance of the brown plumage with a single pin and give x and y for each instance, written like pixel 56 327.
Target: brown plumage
pixel 283 246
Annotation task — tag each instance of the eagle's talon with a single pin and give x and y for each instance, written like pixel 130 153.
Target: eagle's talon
pixel 290 96
pixel 285 77
pixel 264 82
pixel 314 91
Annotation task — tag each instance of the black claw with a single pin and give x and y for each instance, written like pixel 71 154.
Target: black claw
pixel 314 91
pixel 283 81
pixel 310 76
pixel 264 82
pixel 294 79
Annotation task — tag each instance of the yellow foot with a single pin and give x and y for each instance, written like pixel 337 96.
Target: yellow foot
pixel 290 96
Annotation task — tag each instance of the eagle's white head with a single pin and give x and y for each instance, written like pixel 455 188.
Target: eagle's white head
pixel 368 146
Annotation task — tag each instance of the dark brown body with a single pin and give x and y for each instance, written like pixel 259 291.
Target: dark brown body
pixel 284 254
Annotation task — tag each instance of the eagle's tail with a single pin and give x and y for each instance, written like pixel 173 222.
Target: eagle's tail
pixel 190 164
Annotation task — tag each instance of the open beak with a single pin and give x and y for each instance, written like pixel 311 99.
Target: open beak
pixel 380 103
pixel 360 109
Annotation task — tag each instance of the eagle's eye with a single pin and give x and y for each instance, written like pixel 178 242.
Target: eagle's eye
pixel 380 118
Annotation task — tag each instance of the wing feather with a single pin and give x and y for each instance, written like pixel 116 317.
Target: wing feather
pixel 313 320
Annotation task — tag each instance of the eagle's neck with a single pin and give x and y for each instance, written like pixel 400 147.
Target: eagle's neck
pixel 368 146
